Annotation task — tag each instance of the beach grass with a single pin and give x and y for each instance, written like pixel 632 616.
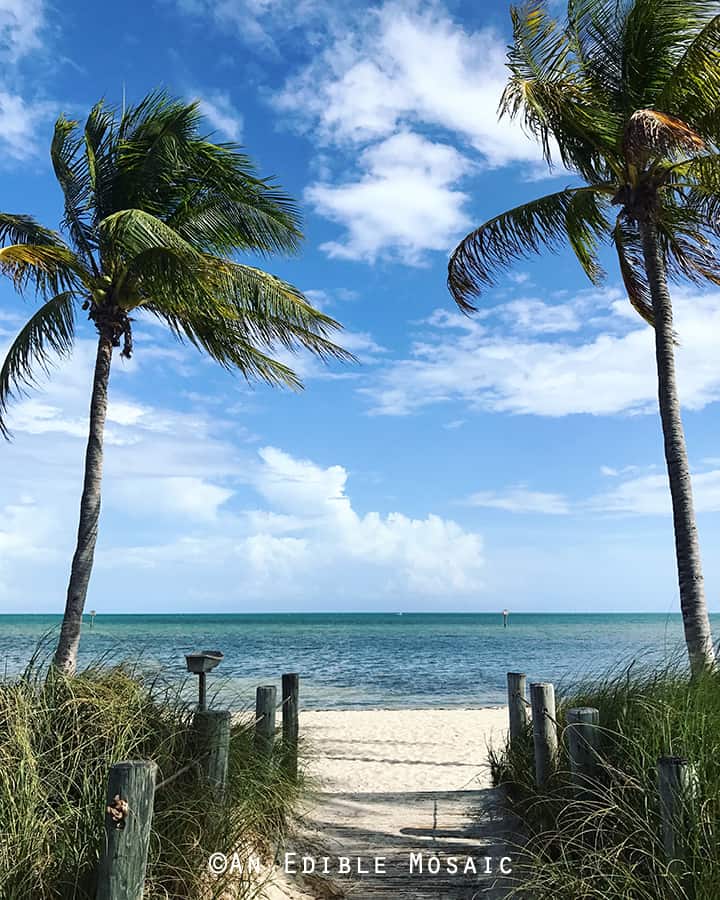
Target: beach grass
pixel 606 842
pixel 58 738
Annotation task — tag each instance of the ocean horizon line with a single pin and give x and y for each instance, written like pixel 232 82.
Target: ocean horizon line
pixel 390 613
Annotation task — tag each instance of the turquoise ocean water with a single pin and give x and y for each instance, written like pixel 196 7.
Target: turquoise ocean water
pixel 366 660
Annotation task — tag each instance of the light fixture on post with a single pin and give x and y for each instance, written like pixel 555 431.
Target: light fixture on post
pixel 200 664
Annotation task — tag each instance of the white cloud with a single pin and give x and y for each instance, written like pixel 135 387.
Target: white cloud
pixel 189 509
pixel 608 370
pixel 649 495
pixel 156 496
pixel 412 82
pixel 311 538
pixel 409 64
pixel 521 500
pixel 404 203
pixel 222 114
pixel 535 317
pixel 257 22
pixel 19 121
pixel 21 24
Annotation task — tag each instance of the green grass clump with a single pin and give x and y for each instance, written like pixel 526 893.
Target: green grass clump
pixel 607 841
pixel 58 738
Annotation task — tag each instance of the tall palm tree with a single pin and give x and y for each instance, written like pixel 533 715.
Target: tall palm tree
pixel 627 94
pixel 154 213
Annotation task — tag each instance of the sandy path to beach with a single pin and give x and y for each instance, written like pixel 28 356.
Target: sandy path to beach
pixel 380 750
pixel 391 783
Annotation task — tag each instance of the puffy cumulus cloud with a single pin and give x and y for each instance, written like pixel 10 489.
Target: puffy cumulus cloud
pixel 606 369
pixel 409 63
pixel 192 513
pixel 432 555
pixel 410 86
pixel 404 203
pixel 312 538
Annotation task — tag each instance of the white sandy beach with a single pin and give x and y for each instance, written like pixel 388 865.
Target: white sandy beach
pixel 387 751
pixel 390 782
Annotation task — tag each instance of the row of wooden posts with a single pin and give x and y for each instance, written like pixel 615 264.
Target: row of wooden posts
pixel 132 785
pixel 583 734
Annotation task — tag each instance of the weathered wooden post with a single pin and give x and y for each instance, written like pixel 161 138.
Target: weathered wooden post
pixel 517 704
pixel 673 786
pixel 128 819
pixel 265 703
pixel 583 737
pixel 290 720
pixel 212 731
pixel 542 702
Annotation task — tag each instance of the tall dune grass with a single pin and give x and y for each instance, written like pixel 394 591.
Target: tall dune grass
pixel 58 737
pixel 607 842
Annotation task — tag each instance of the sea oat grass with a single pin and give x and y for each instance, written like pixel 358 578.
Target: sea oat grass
pixel 58 738
pixel 606 841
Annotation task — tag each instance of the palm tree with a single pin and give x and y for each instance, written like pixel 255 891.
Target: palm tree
pixel 627 94
pixel 154 211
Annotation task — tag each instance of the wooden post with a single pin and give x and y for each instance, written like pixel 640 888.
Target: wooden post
pixel 290 720
pixel 673 786
pixel 212 730
pixel 517 704
pixel 583 737
pixel 202 691
pixel 128 818
pixel 265 703
pixel 542 701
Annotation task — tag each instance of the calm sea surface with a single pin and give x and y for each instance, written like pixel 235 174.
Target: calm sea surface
pixel 356 661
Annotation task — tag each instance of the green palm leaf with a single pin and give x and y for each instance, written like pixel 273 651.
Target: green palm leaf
pixel 49 332
pixel 575 215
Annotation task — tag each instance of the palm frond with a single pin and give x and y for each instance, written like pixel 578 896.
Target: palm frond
pixel 49 332
pixel 20 229
pixel 226 207
pixel 131 232
pixel 626 239
pixel 100 150
pixel 225 341
pixel 46 268
pixel 554 99
pixel 649 133
pixel 692 92
pixel 575 215
pixel 656 34
pixel 71 170
pixel 256 307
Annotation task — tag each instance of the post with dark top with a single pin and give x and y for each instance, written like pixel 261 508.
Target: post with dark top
pixel 542 702
pixel 265 703
pixel 673 786
pixel 212 732
pixel 128 819
pixel 583 737
pixel 517 704
pixel 290 722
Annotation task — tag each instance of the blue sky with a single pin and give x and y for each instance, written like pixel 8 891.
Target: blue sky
pixel 509 460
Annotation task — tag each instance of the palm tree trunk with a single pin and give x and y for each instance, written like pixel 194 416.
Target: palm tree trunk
pixel 67 648
pixel 698 636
